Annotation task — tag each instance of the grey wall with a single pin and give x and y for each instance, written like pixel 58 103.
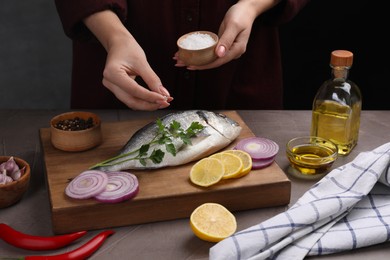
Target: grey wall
pixel 35 56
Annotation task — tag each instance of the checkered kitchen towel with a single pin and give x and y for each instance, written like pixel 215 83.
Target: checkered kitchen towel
pixel 347 209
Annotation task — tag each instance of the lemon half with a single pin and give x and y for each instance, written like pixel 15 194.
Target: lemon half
pixel 212 222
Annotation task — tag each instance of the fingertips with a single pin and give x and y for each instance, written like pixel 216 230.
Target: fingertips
pixel 162 104
pixel 179 63
pixel 166 95
pixel 163 91
pixel 221 51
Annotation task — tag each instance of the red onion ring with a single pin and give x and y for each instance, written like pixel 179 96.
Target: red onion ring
pixel 259 148
pixel 259 164
pixel 87 184
pixel 121 186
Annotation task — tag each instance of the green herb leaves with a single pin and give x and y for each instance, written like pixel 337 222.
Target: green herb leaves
pixel 166 135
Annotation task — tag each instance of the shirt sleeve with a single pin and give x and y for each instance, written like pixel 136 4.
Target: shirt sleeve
pixel 72 13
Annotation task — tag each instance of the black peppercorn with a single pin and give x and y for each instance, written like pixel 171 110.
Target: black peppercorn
pixel 74 124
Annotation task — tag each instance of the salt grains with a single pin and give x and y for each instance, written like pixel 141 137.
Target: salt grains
pixel 197 41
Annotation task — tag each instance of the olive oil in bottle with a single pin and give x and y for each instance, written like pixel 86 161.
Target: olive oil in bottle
pixel 337 105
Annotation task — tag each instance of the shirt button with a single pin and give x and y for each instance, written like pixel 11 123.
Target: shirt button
pixel 189 18
pixel 187 75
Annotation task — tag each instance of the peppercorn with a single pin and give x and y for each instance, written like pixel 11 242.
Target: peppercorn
pixel 74 124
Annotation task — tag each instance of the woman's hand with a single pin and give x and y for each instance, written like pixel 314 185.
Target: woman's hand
pixel 125 61
pixel 234 32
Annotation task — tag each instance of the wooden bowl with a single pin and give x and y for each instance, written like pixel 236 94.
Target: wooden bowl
pixel 12 192
pixel 76 140
pixel 195 50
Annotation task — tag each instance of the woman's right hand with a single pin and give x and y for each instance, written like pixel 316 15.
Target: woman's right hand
pixel 125 61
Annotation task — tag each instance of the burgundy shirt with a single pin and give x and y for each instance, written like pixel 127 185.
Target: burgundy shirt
pixel 254 81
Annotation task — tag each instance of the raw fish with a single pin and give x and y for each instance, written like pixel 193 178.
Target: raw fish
pixel 218 132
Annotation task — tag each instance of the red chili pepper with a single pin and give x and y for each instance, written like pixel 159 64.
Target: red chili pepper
pixel 25 241
pixel 81 253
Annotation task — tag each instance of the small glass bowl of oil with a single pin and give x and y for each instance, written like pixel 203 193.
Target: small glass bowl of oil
pixel 311 157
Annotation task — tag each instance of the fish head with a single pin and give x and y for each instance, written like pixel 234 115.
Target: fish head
pixel 223 124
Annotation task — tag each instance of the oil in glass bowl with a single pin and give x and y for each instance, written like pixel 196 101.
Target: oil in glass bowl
pixel 311 157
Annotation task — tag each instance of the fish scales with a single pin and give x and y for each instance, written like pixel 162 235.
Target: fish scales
pixel 218 132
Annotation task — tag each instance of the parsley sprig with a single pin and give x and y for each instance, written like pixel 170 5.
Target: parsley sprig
pixel 165 136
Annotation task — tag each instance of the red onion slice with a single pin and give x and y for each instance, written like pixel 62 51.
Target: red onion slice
pixel 87 184
pixel 121 186
pixel 259 148
pixel 259 164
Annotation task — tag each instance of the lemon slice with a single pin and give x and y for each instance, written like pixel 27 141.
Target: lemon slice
pixel 207 172
pixel 212 222
pixel 246 161
pixel 232 163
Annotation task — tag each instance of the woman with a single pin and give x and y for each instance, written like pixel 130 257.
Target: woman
pixel 122 53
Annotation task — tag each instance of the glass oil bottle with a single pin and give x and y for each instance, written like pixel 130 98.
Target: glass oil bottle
pixel 337 105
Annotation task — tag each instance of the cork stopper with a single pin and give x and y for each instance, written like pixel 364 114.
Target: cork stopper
pixel 341 58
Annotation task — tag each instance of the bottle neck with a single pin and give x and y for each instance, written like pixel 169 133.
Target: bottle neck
pixel 340 72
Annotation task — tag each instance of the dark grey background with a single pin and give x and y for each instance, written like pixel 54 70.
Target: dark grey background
pixel 35 55
pixel 360 26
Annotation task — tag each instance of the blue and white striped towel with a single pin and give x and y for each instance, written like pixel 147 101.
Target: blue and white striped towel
pixel 349 208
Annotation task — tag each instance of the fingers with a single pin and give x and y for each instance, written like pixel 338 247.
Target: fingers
pixel 220 50
pixel 232 42
pixel 120 81
pixel 154 82
pixel 130 97
pixel 231 45
pixel 125 61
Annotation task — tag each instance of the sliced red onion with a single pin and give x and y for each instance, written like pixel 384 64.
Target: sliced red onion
pixel 121 186
pixel 87 184
pixel 259 148
pixel 259 164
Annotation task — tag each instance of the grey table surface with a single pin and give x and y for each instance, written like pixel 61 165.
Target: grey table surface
pixel 19 136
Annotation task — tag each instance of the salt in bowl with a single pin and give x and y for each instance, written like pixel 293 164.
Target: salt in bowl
pixel 197 48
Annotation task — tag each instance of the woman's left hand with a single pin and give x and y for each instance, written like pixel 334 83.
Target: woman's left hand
pixel 234 32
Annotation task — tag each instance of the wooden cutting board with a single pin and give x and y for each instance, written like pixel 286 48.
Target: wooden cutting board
pixel 165 194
